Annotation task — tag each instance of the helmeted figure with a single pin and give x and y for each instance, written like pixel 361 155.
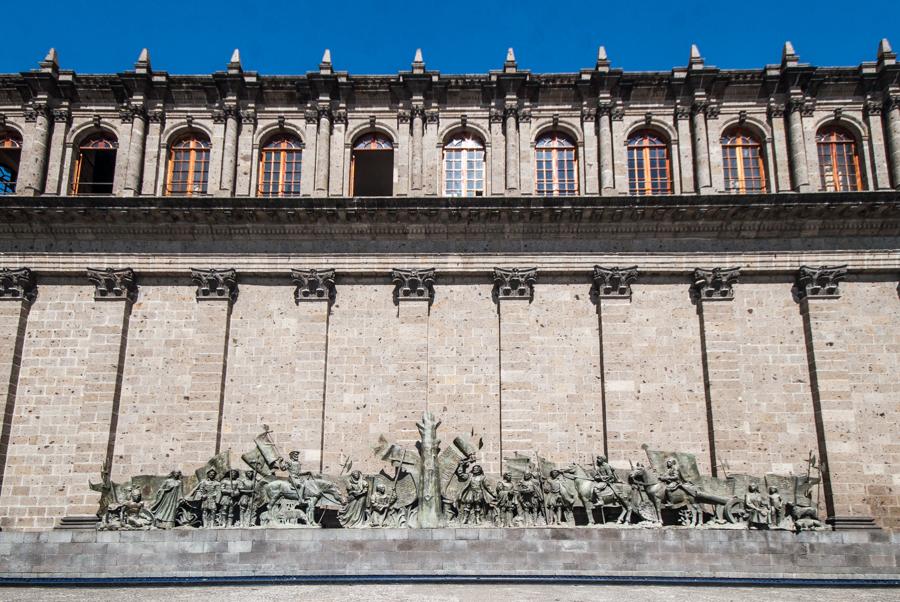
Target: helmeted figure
pixel 675 479
pixel 530 496
pixel 475 498
pixel 168 498
pixel 228 498
pixel 208 491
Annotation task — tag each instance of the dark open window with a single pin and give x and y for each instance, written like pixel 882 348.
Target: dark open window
pixel 10 155
pixel 372 166
pixel 96 166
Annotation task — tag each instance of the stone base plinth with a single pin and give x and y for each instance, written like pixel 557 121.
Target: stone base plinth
pixel 451 553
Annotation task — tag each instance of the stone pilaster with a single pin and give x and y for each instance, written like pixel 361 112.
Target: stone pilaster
pixel 413 293
pixel 838 434
pixel 713 291
pixel 243 184
pixel 605 142
pixel 701 146
pixel 798 164
pixel 685 152
pixel 135 157
pixel 511 133
pixel 497 155
pixel 892 114
pixel 513 290
pixel 879 175
pixel 781 173
pixel 591 174
pixel 17 291
pixel 323 151
pixel 35 149
pixel 418 130
pixel 59 154
pixel 229 151
pixel 154 154
pixel 216 291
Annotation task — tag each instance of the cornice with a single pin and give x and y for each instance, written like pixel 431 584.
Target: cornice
pixel 710 217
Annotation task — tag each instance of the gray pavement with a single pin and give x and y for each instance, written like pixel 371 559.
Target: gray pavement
pixel 447 593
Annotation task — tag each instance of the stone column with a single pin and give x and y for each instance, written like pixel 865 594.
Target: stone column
pixel 605 142
pixel 414 293
pixel 418 127
pixel 512 150
pixel 713 292
pixel 839 437
pixel 799 168
pixel 94 435
pixel 33 170
pixel 684 151
pixel 136 153
pixel 216 290
pixel 229 152
pixel 498 144
pixel 243 186
pixel 701 147
pixel 59 155
pixel 893 130
pixel 781 175
pixel 17 291
pixel 323 147
pixel 591 175
pixel 621 416
pixel 513 290
pixel 154 154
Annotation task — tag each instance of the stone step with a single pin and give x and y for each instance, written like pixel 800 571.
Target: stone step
pixel 78 522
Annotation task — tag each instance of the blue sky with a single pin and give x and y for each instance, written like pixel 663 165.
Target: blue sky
pixel 457 36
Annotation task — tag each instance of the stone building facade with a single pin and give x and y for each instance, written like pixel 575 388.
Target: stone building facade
pixel 704 260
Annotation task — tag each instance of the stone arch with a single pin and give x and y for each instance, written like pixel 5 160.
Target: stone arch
pixel 654 125
pixel 78 133
pixel 182 128
pixel 458 127
pixel 756 126
pixel 368 128
pixel 267 131
pixel 563 126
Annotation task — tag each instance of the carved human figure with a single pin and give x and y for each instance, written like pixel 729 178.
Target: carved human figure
pixel 475 498
pixel 507 501
pixel 168 498
pixel 294 469
pixel 228 499
pixel 208 492
pixel 755 505
pixel 381 503
pixel 132 513
pixel 529 494
pixel 247 498
pixel 776 507
pixel 675 480
pixel 558 498
pixel 353 514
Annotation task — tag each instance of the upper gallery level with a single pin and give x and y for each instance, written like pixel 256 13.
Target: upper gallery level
pixel 697 129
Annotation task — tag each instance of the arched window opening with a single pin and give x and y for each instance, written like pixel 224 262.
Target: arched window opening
pixel 10 156
pixel 95 167
pixel 649 171
pixel 556 166
pixel 464 166
pixel 838 160
pixel 188 166
pixel 279 166
pixel 372 166
pixel 742 162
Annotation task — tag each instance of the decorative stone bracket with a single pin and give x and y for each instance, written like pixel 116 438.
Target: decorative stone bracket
pixel 113 284
pixel 822 282
pixel 215 284
pixel 313 285
pixel 514 283
pixel 413 284
pixel 614 283
pixel 17 285
pixel 716 284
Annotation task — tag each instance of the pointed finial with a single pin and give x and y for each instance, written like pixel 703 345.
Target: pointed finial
pixel 50 63
pixel 510 64
pixel 886 54
pixel 143 62
pixel 325 65
pixel 789 57
pixel 602 59
pixel 234 65
pixel 418 64
pixel 696 59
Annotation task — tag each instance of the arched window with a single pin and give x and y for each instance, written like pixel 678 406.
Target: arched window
pixel 464 166
pixel 279 166
pixel 188 166
pixel 556 168
pixel 372 166
pixel 838 160
pixel 10 154
pixel 742 162
pixel 649 172
pixel 95 166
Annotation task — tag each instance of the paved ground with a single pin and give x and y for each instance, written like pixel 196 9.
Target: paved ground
pixel 447 593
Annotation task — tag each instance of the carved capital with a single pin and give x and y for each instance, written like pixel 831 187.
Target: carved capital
pixel 496 116
pixel 311 115
pixel 700 107
pixel 313 285
pixel 324 112
pixel 432 116
pixel 822 282
pixel 215 284
pixel 35 109
pixel 618 114
pixel 776 109
pixel 17 285
pixel 128 113
pixel 525 116
pixel 113 284
pixel 62 114
pixel 874 107
pixel 682 112
pixel 588 114
pixel 514 283
pixel 716 284
pixel 891 102
pixel 613 283
pixel 403 116
pixel 413 284
pixel 605 108
pixel 339 116
pixel 248 117
pixel 157 116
